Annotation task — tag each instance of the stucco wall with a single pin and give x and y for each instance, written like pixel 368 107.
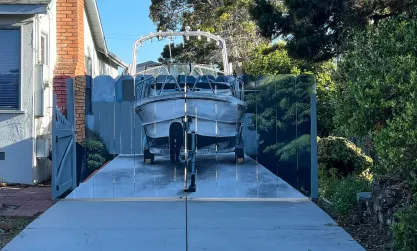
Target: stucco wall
pixel 17 130
pixel 43 125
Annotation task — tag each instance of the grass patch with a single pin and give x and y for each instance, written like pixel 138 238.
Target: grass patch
pixel 12 227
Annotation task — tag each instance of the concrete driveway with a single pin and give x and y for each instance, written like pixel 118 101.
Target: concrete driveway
pixel 217 177
pixel 129 206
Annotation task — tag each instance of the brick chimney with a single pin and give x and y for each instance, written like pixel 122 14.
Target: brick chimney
pixel 70 58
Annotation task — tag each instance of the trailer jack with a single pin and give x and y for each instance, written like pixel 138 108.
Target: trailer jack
pixel 191 158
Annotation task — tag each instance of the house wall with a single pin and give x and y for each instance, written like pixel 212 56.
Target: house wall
pixel 17 129
pixel 101 64
pixel 43 125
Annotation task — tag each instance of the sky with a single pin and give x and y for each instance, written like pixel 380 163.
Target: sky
pixel 123 22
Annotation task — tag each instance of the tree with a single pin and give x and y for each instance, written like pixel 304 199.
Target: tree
pixel 318 30
pixel 194 51
pixel 376 97
pixel 377 90
pixel 228 18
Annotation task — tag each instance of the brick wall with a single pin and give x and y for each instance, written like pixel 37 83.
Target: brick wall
pixel 70 58
pixel 79 104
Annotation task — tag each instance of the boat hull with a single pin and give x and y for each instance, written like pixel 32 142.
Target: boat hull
pixel 211 116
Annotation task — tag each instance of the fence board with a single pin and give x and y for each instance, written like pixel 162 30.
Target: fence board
pixel 138 136
pixel 117 130
pixel 126 128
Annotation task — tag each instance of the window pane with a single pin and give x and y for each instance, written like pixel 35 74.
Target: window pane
pixel 43 50
pixel 88 95
pixel 88 66
pixel 9 69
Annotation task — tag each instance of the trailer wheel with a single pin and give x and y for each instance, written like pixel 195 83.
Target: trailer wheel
pixel 239 155
pixel 175 141
pixel 148 157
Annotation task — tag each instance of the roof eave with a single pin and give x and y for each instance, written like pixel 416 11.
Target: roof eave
pixel 25 2
pixel 117 60
pixel 93 15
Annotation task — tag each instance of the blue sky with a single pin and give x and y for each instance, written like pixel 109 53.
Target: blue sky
pixel 123 22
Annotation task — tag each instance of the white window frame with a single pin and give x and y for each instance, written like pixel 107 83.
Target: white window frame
pixel 45 48
pixel 17 110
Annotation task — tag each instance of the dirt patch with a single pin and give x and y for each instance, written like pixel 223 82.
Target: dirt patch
pixel 46 183
pixel 10 227
pixel 363 228
pixel 373 237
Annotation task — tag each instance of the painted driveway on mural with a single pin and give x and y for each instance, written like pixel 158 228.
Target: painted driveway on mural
pixel 217 177
pixel 130 206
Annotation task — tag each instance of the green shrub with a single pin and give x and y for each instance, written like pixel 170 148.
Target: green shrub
pixel 405 230
pixel 97 153
pixel 342 192
pixel 343 172
pixel 344 198
pixel 328 181
pixel 94 145
pixel 341 154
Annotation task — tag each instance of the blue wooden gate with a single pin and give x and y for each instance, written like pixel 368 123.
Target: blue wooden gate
pixel 63 146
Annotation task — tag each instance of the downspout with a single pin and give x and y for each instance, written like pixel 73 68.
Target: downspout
pixel 36 125
pixel 37 39
pixel 38 76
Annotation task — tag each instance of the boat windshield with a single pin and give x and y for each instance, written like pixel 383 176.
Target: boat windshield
pixel 182 69
pixel 165 80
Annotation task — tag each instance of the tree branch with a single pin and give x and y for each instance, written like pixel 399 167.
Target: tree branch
pixel 378 17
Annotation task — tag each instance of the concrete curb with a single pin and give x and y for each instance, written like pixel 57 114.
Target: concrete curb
pixel 191 199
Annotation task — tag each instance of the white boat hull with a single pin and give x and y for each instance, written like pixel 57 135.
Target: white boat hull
pixel 212 116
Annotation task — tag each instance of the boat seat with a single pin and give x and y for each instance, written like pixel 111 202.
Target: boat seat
pixel 203 85
pixel 144 79
pixel 189 80
pixel 163 78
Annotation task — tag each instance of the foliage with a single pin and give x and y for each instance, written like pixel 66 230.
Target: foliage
pixel 274 60
pixel 290 150
pixel 337 153
pixel 228 18
pixel 95 161
pixel 266 59
pixel 343 172
pixel 325 89
pixel 376 96
pixel 319 30
pixel 396 145
pixel 171 14
pixel 281 117
pixel 341 192
pixel 194 51
pixel 405 230
pixel 97 153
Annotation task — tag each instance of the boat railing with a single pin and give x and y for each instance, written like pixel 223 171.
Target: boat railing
pixel 152 86
pixel 199 68
pixel 160 69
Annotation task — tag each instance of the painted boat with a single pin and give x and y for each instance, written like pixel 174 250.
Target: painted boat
pixel 178 100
